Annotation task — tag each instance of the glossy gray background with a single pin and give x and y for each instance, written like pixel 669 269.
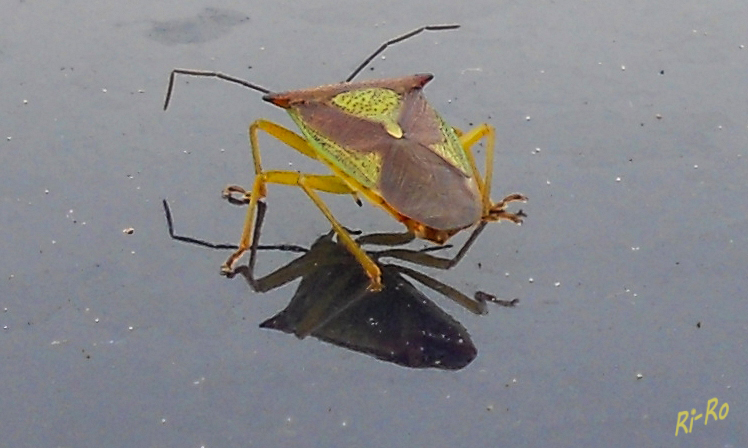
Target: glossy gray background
pixel 109 339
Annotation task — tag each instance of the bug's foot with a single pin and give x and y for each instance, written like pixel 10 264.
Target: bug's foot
pixel 498 215
pixel 236 195
pixel 227 271
pixel 375 284
pixel 497 212
pixel 227 268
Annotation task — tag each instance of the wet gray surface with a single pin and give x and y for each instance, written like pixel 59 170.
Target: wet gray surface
pixel 632 261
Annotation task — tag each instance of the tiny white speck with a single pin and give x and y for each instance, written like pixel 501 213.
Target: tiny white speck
pixel 141 91
pixel 25 101
pixel 9 138
pixel 695 167
pixel 46 191
pixel 639 376
pixel 557 284
pixel 527 118
pixel 96 320
pixel 506 274
pixel 531 280
pixel 618 179
pixel 384 57
pixel 547 182
pixel 344 423
pixel 741 46
pixel 719 127
pixel 163 421
pixel 103 90
pixel 131 328
pixel 623 68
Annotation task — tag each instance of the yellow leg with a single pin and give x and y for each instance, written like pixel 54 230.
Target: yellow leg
pixel 286 136
pixel 310 184
pixel 371 268
pixel 467 140
pixel 491 212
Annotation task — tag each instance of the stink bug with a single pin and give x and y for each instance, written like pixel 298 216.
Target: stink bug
pixel 382 140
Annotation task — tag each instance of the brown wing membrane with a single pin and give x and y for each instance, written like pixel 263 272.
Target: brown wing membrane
pixel 353 133
pixel 423 186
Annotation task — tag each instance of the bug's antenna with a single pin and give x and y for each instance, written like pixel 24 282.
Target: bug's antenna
pixel 207 74
pixel 396 40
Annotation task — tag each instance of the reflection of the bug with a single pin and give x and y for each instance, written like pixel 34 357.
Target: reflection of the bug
pixel 398 324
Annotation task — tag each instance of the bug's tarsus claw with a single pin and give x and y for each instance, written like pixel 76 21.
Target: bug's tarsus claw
pixel 231 189
pixel 236 195
pixel 514 197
